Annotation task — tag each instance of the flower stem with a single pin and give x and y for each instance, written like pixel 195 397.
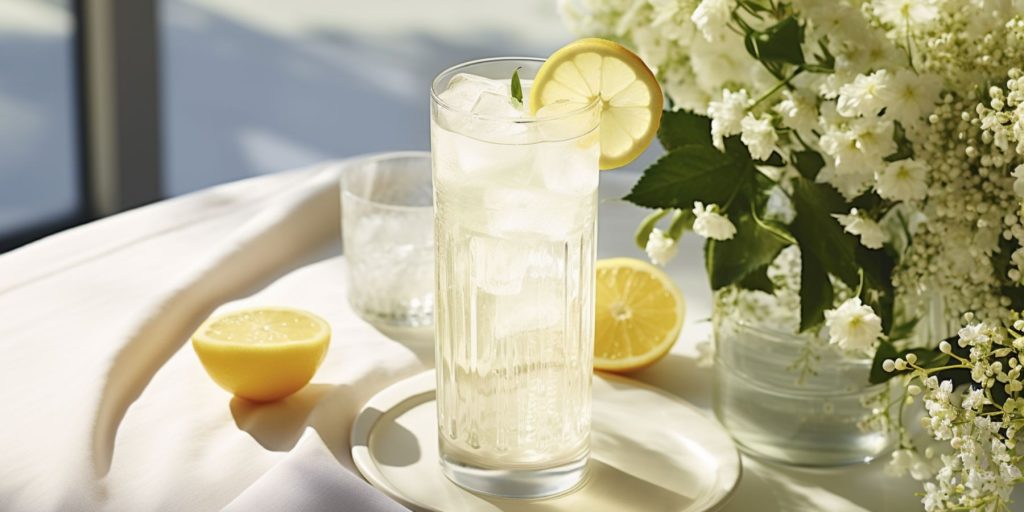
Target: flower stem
pixel 780 85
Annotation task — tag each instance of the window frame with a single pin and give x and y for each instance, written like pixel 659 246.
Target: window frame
pixel 115 82
pixel 83 211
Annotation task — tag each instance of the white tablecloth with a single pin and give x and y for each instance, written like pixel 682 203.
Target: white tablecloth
pixel 104 406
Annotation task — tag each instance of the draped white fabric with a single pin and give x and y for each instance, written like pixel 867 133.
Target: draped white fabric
pixel 104 405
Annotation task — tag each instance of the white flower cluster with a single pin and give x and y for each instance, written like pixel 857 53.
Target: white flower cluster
pixel 662 246
pixel 917 107
pixel 854 326
pixel 922 103
pixel 980 422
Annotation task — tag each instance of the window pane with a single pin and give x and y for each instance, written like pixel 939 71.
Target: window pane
pixel 256 87
pixel 40 176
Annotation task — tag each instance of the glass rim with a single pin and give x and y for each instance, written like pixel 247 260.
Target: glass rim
pixel 451 70
pixel 377 158
pixel 782 337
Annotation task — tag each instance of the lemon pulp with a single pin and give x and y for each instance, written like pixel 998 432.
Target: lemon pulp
pixel 639 314
pixel 630 96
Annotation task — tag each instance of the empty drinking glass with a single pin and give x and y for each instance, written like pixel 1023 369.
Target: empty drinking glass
pixel 387 231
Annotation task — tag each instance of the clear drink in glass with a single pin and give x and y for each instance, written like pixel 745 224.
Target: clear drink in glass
pixel 515 199
pixel 387 229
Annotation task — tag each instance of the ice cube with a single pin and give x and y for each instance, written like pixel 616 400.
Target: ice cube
pixel 465 89
pixel 541 306
pixel 483 109
pixel 570 167
pixel 498 104
pixel 514 211
pixel 499 265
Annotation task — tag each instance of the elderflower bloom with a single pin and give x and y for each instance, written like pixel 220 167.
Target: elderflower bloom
pixel 727 115
pixel 1018 182
pixel 866 95
pixel 711 224
pixel 759 136
pixel 853 326
pixel 660 247
pixel 908 461
pixel 900 13
pixel 798 111
pixel 903 180
pixel 711 17
pixel 871 234
pixel 913 96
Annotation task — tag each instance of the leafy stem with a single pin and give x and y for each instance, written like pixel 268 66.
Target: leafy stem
pixel 780 85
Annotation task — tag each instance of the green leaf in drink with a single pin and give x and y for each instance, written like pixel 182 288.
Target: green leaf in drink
pixel 517 87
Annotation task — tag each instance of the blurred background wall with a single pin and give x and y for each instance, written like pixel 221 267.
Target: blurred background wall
pixel 243 87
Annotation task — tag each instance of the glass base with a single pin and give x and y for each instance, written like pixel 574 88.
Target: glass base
pixel 867 449
pixel 517 483
pixel 396 319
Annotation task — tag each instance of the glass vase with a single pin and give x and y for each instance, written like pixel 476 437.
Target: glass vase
pixel 793 398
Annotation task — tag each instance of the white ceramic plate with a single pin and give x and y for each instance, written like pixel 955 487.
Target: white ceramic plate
pixel 650 451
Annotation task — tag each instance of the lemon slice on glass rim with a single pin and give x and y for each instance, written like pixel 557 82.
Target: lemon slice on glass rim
pixel 638 315
pixel 631 99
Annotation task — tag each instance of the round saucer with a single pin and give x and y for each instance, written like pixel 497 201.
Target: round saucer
pixel 649 451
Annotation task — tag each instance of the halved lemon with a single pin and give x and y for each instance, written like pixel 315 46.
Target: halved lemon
pixel 262 354
pixel 639 314
pixel 631 99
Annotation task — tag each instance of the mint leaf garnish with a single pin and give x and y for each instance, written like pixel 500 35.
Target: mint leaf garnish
pixel 517 87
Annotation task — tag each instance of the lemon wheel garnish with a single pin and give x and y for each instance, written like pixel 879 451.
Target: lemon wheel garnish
pixel 631 99
pixel 262 354
pixel 639 314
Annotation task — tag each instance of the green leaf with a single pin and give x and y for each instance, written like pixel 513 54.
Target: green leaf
pixel 926 358
pixel 958 376
pixel 904 330
pixel 826 61
pixel 819 234
pixel 867 201
pixel 904 148
pixel 681 128
pixel 780 43
pixel 816 293
pixel 643 231
pixel 809 163
pixel 885 351
pixel 735 148
pixel 681 222
pixel 757 280
pixel 824 248
pixel 729 261
pixel 688 174
pixel 1016 296
pixel 774 160
pixel 877 290
pixel 517 87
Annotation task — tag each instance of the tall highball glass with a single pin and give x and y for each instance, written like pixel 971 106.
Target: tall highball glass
pixel 515 210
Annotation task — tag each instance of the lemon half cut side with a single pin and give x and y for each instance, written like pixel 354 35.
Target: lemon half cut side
pixel 639 314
